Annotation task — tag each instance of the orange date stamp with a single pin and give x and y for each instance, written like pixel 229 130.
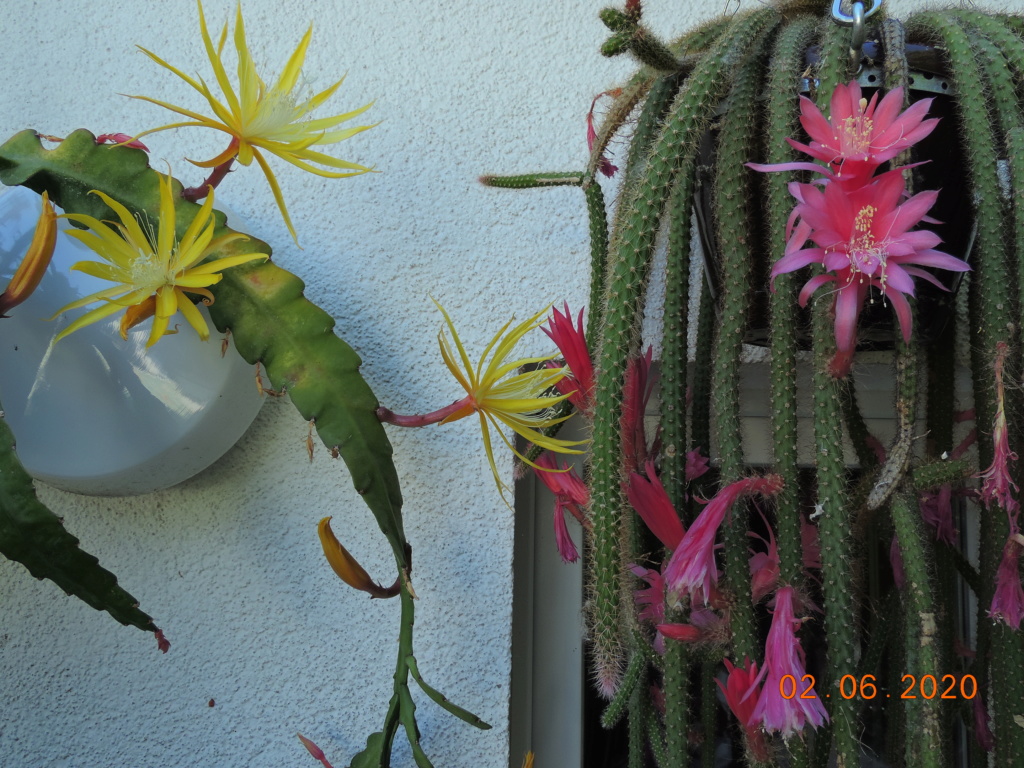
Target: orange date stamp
pixel 850 687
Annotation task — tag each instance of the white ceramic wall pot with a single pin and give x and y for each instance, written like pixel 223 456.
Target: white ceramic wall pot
pixel 98 415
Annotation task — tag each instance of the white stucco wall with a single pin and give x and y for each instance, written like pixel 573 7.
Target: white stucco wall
pixel 228 563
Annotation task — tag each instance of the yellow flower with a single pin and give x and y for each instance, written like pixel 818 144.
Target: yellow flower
pixel 518 400
pixel 153 273
pixel 261 118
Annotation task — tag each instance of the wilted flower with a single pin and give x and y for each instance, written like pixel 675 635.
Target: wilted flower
pixel 863 240
pixel 996 484
pixel 152 270
pixel 604 165
pixel 257 117
pixel 696 464
pixel 692 565
pixel 571 495
pixel 347 568
pixel 1008 600
pixel 579 383
pixel 30 271
pixel 741 694
pixel 784 656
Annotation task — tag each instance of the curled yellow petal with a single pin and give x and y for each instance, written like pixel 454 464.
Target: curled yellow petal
pixel 37 259
pixel 347 567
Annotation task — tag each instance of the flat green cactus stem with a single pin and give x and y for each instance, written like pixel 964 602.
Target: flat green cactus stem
pixel 35 537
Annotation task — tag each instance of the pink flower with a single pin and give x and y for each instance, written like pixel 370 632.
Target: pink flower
pixel 692 565
pixel 636 393
pixel 121 138
pixel 573 346
pixel 604 164
pixel 764 568
pixel 784 656
pixel 1008 601
pixel 705 626
pixel 741 694
pixel 936 508
pixel 996 482
pixel 650 500
pixel 696 464
pixel 863 240
pixel 860 137
pixel 651 599
pixel 571 495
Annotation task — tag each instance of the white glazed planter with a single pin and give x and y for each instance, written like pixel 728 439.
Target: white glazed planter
pixel 98 415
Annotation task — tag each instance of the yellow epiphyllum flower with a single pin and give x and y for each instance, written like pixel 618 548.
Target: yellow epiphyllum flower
pixel 260 118
pixel 153 274
pixel 499 396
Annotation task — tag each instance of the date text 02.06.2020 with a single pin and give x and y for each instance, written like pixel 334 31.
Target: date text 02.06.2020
pixel 927 687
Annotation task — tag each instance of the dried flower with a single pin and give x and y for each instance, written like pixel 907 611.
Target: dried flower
pixel 1008 600
pixel 30 271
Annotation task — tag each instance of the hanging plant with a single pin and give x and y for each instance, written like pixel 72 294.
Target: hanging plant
pixel 838 631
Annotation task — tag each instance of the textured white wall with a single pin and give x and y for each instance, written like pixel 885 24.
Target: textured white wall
pixel 228 563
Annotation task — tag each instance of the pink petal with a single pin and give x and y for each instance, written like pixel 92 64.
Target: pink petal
pixel 812 285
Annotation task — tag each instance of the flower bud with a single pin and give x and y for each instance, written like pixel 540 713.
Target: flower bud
pixel 347 567
pixel 37 259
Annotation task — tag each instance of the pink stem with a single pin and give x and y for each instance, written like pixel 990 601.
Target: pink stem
pixel 422 420
pixel 192 194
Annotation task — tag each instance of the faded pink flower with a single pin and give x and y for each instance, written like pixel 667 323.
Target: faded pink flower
pixel 863 240
pixel 784 656
pixel 650 500
pixel 604 164
pixel 981 730
pixel 696 464
pixel 652 599
pixel 571 495
pixel 741 694
pixel 579 385
pixel 860 136
pixel 692 565
pixel 996 484
pixel 1008 601
pixel 764 568
pixel 636 393
pixel 936 508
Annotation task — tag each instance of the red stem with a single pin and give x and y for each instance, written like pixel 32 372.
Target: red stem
pixel 422 420
pixel 192 194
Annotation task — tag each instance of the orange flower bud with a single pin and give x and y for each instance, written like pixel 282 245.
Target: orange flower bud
pixel 37 259
pixel 347 567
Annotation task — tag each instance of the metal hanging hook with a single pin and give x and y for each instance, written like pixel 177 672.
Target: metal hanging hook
pixel 856 21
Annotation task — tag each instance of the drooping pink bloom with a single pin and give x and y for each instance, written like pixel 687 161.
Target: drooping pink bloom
pixel 863 240
pixel 1008 601
pixel 981 730
pixel 636 393
pixel 936 508
pixel 996 484
pixel 692 566
pixel 650 500
pixel 741 694
pixel 860 134
pixel 573 346
pixel 604 164
pixel 696 464
pixel 652 599
pixel 571 495
pixel 783 656
pixel 764 568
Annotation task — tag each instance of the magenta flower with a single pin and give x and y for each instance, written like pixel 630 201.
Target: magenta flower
pixel 705 626
pixel 651 600
pixel 571 495
pixel 784 656
pixel 692 565
pixel 741 694
pixel 859 137
pixel 996 484
pixel 579 385
pixel 981 730
pixel 863 240
pixel 936 508
pixel 696 464
pixel 636 393
pixel 764 568
pixel 1008 601
pixel 650 500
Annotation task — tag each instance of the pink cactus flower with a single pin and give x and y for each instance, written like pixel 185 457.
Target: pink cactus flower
pixel 692 565
pixel 1008 601
pixel 652 599
pixel 860 136
pixel 571 495
pixel 705 626
pixel 764 568
pixel 579 384
pixel 650 500
pixel 696 464
pixel 863 240
pixel 936 508
pixel 996 486
pixel 784 656
pixel 741 694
